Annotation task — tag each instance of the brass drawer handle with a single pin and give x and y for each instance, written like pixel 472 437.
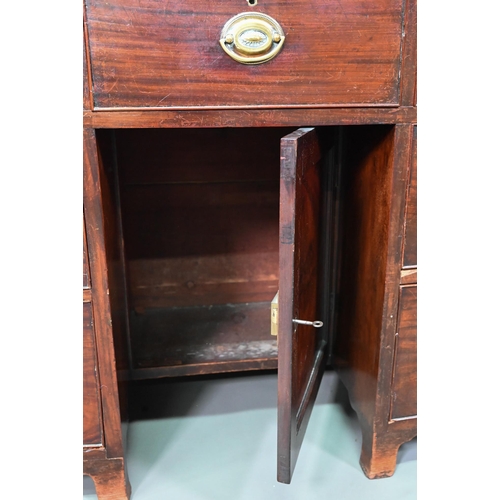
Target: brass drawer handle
pixel 252 38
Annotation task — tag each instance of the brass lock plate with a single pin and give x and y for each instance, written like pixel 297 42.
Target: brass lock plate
pixel 274 315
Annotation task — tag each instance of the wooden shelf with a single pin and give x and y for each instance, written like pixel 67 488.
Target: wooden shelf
pixel 202 339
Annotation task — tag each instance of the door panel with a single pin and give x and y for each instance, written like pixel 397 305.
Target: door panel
pixel 306 202
pixel 410 237
pixel 404 383
pixel 92 425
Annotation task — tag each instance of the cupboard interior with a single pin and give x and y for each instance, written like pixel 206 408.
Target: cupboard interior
pixel 199 217
pixel 199 214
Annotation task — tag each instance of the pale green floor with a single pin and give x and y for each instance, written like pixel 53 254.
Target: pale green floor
pixel 216 439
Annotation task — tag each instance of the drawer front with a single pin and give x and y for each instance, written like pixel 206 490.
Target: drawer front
pixel 410 240
pixel 86 274
pixel 92 424
pixel 404 387
pixel 166 54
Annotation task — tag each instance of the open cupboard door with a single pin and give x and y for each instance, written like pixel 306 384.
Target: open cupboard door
pixel 307 223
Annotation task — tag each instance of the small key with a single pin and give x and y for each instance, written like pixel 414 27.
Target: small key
pixel 316 324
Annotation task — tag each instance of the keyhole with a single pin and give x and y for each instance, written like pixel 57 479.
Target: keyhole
pixel 252 2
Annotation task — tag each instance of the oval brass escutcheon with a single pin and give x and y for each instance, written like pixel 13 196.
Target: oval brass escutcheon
pixel 252 38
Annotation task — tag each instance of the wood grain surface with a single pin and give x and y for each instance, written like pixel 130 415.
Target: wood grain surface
pixel 248 118
pixel 92 421
pixel 151 54
pixel 201 215
pixel 302 348
pixel 110 478
pixel 99 228
pixel 410 235
pixel 374 195
pixel 404 385
pixel 86 272
pixel 202 335
pixel 409 56
pixel 366 203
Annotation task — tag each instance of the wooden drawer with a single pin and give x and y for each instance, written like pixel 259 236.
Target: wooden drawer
pixel 404 384
pixel 92 424
pixel 410 239
pixel 166 54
